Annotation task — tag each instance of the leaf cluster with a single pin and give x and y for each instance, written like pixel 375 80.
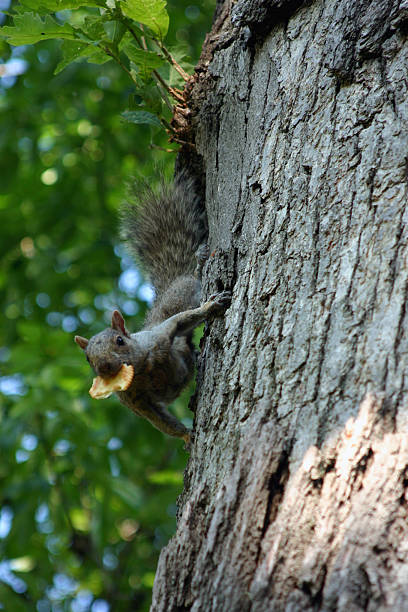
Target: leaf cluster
pixel 130 33
pixel 87 490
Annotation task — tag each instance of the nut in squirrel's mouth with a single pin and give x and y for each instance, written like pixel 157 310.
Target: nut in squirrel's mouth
pixel 104 387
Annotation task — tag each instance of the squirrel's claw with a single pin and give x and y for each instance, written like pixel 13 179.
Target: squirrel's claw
pixel 221 300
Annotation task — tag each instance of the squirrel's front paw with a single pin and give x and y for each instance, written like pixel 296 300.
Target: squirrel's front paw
pixel 220 301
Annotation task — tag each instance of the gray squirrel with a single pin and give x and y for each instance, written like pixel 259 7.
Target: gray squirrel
pixel 165 231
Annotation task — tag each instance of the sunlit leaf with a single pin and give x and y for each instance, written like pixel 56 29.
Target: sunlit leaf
pixel 30 28
pixel 59 5
pixel 151 13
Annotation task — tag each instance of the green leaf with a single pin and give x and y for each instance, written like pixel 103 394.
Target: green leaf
pixel 93 28
pixel 95 55
pixel 29 29
pixel 74 50
pixel 145 61
pixel 150 97
pixel 59 5
pixel 151 13
pixel 141 117
pixel 115 31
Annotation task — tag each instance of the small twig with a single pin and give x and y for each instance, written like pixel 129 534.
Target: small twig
pixel 143 38
pixel 172 60
pixel 135 36
pixel 119 61
pixel 154 146
pixel 177 95
pixel 162 82
pixel 164 96
pixel 172 91
pixel 167 125
pixel 182 142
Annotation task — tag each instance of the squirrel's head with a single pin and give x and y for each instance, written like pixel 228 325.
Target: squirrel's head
pixel 107 351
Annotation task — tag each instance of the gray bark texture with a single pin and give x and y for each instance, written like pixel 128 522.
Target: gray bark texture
pixel 297 484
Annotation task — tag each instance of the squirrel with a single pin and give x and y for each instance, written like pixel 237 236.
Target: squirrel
pixel 165 230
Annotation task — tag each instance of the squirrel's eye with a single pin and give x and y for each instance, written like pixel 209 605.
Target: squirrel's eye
pixel 120 341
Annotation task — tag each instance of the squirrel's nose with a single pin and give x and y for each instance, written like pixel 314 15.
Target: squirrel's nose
pixel 108 368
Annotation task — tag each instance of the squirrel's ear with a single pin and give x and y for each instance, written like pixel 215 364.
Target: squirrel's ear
pixel 82 342
pixel 118 323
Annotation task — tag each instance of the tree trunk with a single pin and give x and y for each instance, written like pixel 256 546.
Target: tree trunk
pixel 297 485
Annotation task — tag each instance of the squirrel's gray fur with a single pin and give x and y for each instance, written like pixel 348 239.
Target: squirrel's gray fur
pixel 165 230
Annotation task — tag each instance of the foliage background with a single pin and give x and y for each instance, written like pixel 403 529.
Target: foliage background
pixel 87 490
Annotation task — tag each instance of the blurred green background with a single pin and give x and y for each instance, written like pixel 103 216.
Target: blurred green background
pixel 87 490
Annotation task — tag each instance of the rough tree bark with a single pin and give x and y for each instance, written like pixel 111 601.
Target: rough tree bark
pixel 297 485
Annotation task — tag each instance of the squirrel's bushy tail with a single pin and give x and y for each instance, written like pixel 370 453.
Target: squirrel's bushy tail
pixel 163 229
